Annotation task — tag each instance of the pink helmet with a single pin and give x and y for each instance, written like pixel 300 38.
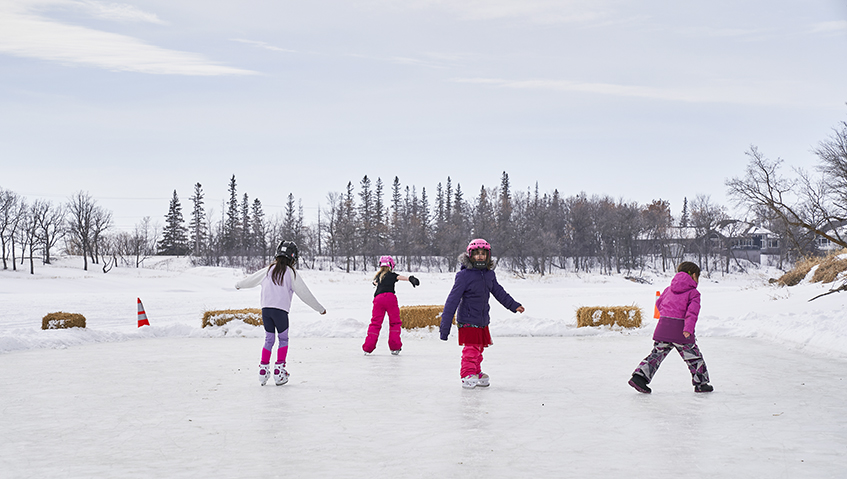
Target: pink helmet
pixel 477 244
pixel 386 261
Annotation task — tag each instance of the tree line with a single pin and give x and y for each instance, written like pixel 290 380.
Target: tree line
pixel 531 231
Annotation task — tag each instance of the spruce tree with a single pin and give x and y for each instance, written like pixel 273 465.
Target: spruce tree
pixel 197 225
pixel 174 241
pixel 231 226
pixel 683 219
pixel 258 228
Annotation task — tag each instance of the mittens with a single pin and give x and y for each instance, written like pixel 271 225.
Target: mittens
pixel 415 281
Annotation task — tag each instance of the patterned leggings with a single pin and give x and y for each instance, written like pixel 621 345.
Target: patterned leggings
pixel 690 354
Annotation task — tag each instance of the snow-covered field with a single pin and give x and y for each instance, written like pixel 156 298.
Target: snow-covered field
pixel 176 400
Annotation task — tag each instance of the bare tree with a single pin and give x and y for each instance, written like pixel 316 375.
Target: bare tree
pixel 705 218
pixel 799 202
pixel 50 219
pixel 29 230
pixel 101 221
pixel 8 207
pixel 833 164
pixel 81 210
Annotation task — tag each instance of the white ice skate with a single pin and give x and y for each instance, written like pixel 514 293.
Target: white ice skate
pixel 483 380
pixel 470 382
pixel 264 373
pixel 280 374
pixel 395 352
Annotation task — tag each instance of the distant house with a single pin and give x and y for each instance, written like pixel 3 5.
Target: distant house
pixel 731 238
pixel 748 241
pixel 838 231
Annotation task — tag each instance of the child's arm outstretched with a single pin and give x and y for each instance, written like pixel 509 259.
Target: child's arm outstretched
pixel 505 298
pixel 253 280
pixel 302 291
pixel 415 281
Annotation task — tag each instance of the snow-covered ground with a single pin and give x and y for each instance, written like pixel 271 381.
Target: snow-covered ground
pixel 176 400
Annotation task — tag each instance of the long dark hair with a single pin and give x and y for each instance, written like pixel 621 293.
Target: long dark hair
pixel 688 267
pixel 279 266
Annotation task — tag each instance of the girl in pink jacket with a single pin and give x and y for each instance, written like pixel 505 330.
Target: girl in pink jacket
pixel 679 306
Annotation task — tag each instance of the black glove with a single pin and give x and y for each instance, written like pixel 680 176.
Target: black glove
pixel 415 281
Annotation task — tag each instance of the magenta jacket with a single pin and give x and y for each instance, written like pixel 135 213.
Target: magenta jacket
pixel 679 306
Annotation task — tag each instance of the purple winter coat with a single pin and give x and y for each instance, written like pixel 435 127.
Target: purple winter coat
pixel 679 306
pixel 469 297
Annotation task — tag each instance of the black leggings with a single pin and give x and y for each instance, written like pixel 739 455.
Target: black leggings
pixel 274 319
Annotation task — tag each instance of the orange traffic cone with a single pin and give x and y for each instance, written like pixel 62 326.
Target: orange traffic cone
pixel 142 316
pixel 655 308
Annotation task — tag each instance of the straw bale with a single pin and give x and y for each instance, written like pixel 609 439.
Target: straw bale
pixel 800 270
pixel 623 316
pixel 62 320
pixel 828 269
pixel 220 317
pixel 421 316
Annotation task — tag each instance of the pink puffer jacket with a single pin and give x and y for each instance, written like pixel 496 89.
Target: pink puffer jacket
pixel 679 306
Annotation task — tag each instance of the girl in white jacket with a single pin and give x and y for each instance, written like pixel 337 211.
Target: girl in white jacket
pixel 279 282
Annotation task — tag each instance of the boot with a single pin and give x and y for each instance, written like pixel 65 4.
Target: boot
pixel 703 388
pixel 470 382
pixel 640 384
pixel 264 373
pixel 280 374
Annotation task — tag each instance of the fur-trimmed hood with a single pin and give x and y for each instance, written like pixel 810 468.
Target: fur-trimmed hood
pixel 466 263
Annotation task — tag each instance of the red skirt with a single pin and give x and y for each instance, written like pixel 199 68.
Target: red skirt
pixel 475 336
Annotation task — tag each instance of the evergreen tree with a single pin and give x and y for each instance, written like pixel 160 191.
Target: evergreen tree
pixel 231 225
pixel 290 223
pixel 483 218
pixel 174 241
pixel 503 234
pixel 366 217
pixel 683 219
pixel 246 236
pixel 397 214
pixel 197 225
pixel 379 217
pixel 257 226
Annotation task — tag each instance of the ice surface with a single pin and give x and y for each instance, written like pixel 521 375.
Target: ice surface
pixel 175 400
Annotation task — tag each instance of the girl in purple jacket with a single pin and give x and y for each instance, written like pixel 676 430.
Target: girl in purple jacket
pixel 679 306
pixel 468 300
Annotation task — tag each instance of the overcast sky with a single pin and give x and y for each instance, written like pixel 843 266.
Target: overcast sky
pixel 636 100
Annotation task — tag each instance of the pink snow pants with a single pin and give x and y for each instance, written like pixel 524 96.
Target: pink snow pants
pixel 472 359
pixel 384 303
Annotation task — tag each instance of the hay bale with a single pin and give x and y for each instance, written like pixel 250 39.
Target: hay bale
pixel 421 316
pixel 800 270
pixel 61 320
pixel 829 268
pixel 220 317
pixel 623 316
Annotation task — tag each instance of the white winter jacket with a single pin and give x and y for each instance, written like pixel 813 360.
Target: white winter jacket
pixel 279 296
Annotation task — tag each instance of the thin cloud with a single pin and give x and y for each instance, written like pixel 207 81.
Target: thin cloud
pixel 28 35
pixel 434 64
pixel 536 11
pixel 830 27
pixel 116 12
pixel 263 45
pixel 720 93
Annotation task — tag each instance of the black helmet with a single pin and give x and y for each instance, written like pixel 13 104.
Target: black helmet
pixel 287 249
